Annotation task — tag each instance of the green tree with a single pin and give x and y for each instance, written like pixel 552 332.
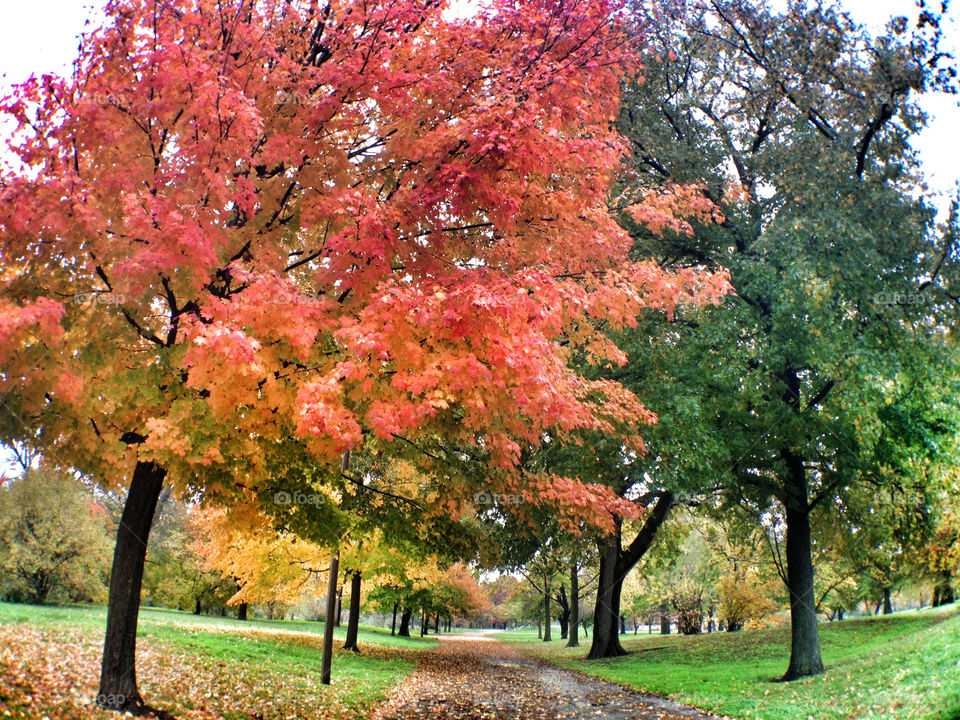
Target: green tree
pixel 56 539
pixel 175 574
pixel 797 125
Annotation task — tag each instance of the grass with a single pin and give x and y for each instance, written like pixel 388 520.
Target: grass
pixel 903 666
pixel 195 666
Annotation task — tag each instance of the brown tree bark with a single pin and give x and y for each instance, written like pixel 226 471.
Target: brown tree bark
pixel 805 657
pixel 615 563
pixel 546 610
pixel 353 623
pixel 405 618
pixel 327 656
pixel 564 615
pixel 118 675
pixel 887 604
pixel 573 636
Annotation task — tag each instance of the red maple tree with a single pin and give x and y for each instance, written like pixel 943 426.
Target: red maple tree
pixel 244 221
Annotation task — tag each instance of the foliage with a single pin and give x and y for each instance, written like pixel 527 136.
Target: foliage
pixel 305 245
pixel 744 597
pixel 267 566
pixel 175 575
pixel 56 539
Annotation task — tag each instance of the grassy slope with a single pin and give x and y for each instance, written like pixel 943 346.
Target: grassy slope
pixel 195 666
pixel 904 666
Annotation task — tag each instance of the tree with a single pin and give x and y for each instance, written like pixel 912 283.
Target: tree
pixel 353 624
pixel 746 583
pixel 55 539
pixel 797 124
pixel 316 224
pixel 499 594
pixel 268 566
pixel 541 571
pixel 616 561
pixel 175 574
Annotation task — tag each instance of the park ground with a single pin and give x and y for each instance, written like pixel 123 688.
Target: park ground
pixel 905 666
pixel 195 667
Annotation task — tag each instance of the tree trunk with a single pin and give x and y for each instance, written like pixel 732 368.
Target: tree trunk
pixel 539 621
pixel 423 623
pixel 623 624
pixel 118 675
pixel 353 622
pixel 436 624
pixel 664 623
pixel 546 611
pixel 615 563
pixel 564 615
pixel 943 592
pixel 39 586
pixel 404 630
pixel 336 622
pixel 242 611
pixel 573 636
pixel 887 604
pixel 393 625
pixel 327 655
pixel 606 640
pixel 805 639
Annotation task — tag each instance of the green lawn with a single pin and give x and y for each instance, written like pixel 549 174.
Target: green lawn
pixel 195 666
pixel 900 666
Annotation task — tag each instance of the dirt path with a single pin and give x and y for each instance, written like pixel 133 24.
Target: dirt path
pixel 478 677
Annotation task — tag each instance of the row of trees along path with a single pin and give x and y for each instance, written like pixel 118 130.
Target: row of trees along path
pixel 244 235
pixel 244 240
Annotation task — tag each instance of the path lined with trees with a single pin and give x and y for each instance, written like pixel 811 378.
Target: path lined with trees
pixel 472 676
pixel 330 308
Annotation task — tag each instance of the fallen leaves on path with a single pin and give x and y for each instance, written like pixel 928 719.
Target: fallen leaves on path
pixel 474 677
